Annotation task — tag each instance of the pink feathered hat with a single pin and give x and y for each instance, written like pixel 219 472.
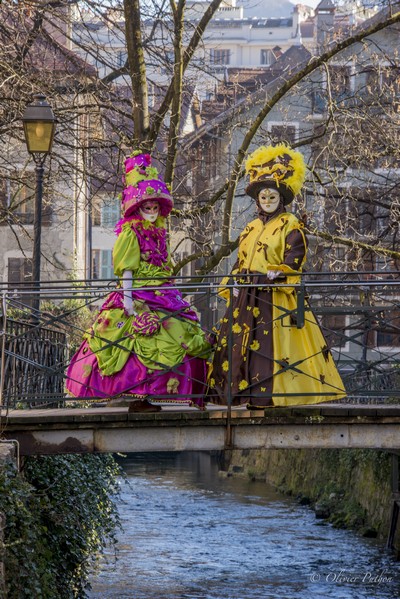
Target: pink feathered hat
pixel 142 183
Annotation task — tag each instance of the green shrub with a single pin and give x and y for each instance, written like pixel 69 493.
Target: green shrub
pixel 60 514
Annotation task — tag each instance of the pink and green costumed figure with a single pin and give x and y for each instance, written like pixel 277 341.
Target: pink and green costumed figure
pixel 146 343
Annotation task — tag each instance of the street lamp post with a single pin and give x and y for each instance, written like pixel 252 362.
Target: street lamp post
pixel 39 127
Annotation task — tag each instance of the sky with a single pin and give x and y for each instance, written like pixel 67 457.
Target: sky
pixel 272 8
pixel 283 8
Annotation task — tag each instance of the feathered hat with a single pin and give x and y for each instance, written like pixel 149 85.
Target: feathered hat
pixel 278 167
pixel 142 183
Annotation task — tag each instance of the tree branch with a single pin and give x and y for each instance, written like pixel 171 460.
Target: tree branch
pixel 283 85
pixel 178 12
pixel 187 56
pixel 353 243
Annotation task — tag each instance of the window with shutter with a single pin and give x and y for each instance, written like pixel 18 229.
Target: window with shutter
pixel 283 132
pixel 19 274
pixel 266 57
pixel 110 213
pixel 95 264
pixel 220 56
pixel 388 329
pixel 106 211
pixel 335 331
pixel 17 200
pixel 19 271
pixel 107 270
pixel 96 212
pixel 102 266
pixel 340 83
pixel 22 202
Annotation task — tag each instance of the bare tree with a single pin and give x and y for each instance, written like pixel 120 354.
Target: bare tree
pixel 121 75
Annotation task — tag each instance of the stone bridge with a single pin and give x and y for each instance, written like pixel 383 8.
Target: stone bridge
pixel 85 430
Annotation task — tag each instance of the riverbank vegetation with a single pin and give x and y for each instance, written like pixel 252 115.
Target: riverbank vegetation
pixel 60 513
pixel 350 488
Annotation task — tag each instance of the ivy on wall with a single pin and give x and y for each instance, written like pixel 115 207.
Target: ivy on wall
pixel 60 513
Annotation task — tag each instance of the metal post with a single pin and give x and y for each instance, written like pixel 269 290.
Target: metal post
pixel 228 438
pixel 37 234
pixel 39 128
pixel 301 301
pixel 3 347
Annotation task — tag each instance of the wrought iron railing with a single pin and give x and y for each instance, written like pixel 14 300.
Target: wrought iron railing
pixel 33 365
pixel 358 313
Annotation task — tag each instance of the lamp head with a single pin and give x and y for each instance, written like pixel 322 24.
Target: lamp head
pixel 39 125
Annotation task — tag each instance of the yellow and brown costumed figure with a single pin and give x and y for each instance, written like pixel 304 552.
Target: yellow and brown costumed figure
pixel 262 358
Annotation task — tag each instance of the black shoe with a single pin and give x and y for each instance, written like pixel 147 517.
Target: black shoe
pixel 142 405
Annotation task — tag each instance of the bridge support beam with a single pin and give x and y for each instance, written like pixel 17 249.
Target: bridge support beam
pixel 201 435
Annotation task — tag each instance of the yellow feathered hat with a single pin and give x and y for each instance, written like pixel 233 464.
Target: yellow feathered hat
pixel 279 167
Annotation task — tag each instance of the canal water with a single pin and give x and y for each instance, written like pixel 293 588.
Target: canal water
pixel 189 533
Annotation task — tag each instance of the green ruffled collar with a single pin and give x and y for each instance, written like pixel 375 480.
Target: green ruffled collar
pixel 159 223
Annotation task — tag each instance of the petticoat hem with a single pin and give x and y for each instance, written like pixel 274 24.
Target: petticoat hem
pixel 132 396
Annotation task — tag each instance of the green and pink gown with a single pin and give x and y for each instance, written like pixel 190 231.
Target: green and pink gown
pixel 161 352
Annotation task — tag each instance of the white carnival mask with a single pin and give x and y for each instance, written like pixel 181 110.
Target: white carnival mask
pixel 150 211
pixel 269 199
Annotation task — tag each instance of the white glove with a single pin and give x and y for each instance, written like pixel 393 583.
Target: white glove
pixel 235 289
pixel 127 287
pixel 273 274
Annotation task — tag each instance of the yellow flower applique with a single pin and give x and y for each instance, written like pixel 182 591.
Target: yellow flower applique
pixel 237 328
pixel 172 385
pixel 224 342
pixel 248 308
pixel 256 312
pixel 243 385
pixel 87 370
pixel 263 389
pixel 225 366
pixel 255 345
pixel 265 332
pixel 236 313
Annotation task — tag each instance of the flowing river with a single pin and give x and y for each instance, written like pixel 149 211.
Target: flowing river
pixel 190 534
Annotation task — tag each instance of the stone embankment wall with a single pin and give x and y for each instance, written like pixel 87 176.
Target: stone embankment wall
pixel 7 455
pixel 351 488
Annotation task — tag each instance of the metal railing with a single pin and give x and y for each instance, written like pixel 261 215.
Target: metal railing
pixel 359 315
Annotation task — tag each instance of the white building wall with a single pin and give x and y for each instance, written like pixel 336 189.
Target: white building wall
pixel 233 27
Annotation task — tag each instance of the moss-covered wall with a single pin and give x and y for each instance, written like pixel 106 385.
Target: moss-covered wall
pixel 349 487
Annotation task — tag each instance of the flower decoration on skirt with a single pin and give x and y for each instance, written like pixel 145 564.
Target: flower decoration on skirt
pixel 146 323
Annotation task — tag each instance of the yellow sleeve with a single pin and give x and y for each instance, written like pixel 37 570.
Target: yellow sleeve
pixel 126 251
pixel 224 291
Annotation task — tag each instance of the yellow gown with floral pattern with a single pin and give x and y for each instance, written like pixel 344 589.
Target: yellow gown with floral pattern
pixel 262 358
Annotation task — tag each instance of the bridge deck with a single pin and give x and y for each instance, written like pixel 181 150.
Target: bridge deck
pixel 113 429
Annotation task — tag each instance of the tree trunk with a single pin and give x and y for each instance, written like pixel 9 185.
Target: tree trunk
pixel 137 69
